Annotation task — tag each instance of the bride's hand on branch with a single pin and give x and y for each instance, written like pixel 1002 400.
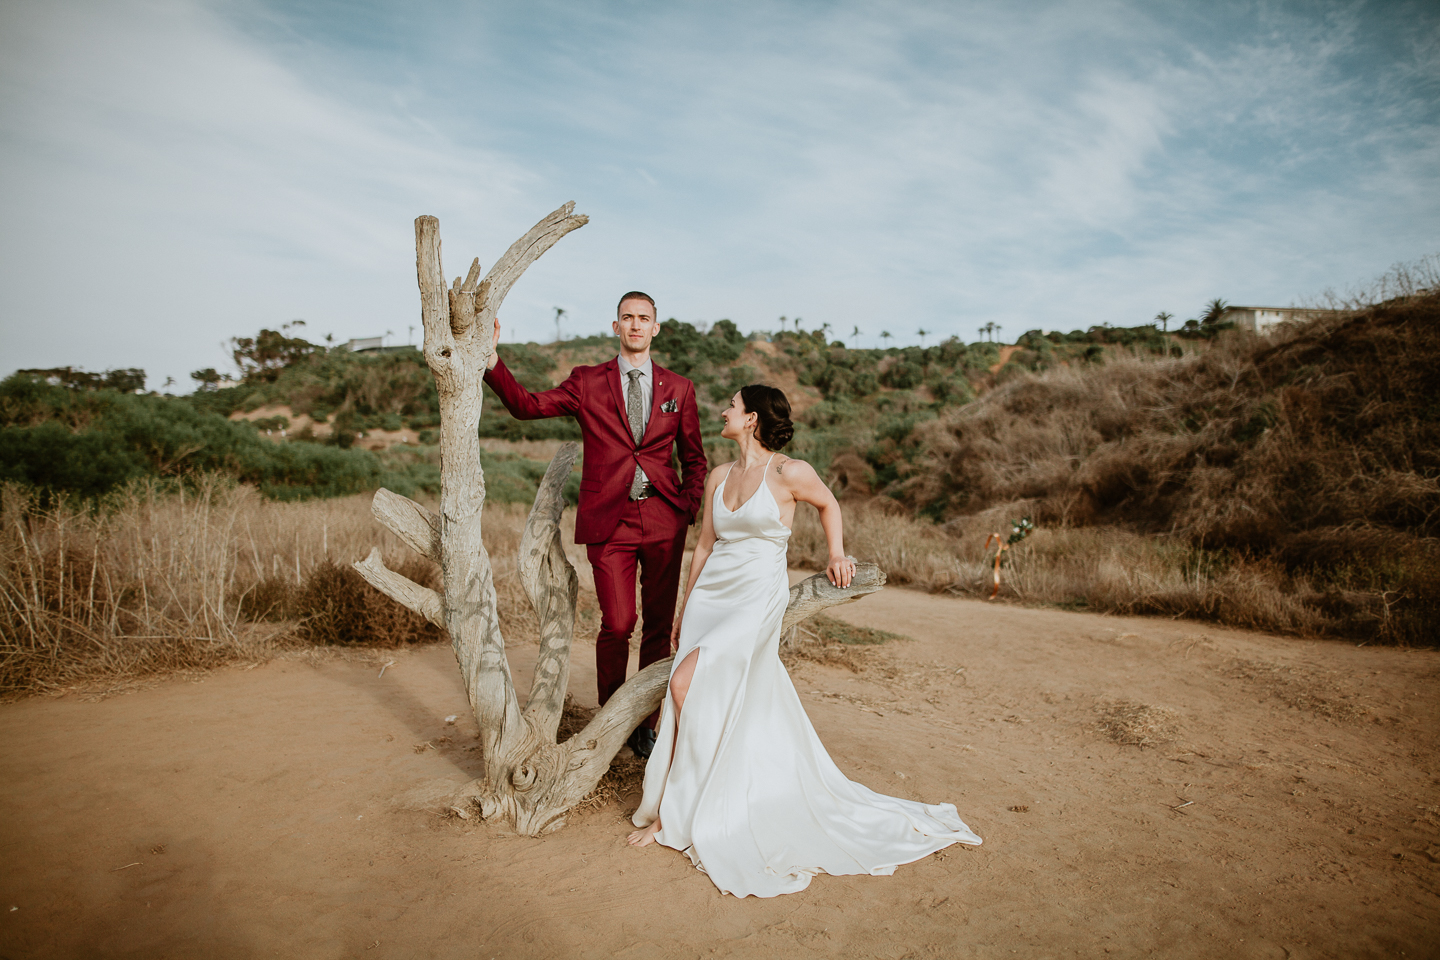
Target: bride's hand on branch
pixel 840 570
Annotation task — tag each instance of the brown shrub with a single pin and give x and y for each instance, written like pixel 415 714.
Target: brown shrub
pixel 271 599
pixel 336 607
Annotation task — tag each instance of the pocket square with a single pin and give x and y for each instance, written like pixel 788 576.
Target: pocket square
pixel 669 406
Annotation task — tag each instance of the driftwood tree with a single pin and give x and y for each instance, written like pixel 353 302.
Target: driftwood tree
pixel 528 777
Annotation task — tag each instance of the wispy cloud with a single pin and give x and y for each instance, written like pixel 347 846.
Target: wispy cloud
pixel 887 166
pixel 168 184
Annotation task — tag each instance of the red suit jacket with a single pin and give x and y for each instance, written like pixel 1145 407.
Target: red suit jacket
pixel 592 396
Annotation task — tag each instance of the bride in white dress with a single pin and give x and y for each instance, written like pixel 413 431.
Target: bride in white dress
pixel 738 779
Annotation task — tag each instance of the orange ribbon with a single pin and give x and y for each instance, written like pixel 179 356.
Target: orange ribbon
pixel 1000 547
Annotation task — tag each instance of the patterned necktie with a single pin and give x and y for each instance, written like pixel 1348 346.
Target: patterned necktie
pixel 635 410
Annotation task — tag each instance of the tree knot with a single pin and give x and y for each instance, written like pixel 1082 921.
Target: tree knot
pixel 523 777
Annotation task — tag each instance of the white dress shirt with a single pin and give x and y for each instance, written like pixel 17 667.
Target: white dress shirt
pixel 647 391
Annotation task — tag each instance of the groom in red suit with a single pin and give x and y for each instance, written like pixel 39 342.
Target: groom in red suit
pixel 633 509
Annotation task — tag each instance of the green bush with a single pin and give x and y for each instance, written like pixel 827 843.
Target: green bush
pixel 902 375
pixel 511 478
pixel 684 349
pixel 51 458
pixel 88 443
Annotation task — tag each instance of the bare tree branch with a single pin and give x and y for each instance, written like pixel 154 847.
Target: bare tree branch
pixel 553 587
pixel 462 301
pixel 418 527
pixel 813 594
pixel 402 590
pixel 471 608
pixel 522 253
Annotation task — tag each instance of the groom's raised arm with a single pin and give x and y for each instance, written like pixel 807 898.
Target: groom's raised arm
pixel 693 464
pixel 563 401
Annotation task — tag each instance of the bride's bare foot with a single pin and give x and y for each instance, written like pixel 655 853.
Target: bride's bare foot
pixel 641 838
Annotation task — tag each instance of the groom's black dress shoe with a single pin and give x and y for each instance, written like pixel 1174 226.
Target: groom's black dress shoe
pixel 642 741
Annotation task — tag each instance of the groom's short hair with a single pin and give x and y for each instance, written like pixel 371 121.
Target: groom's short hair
pixel 636 295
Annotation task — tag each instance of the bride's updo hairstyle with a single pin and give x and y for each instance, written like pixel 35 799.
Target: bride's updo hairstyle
pixel 770 405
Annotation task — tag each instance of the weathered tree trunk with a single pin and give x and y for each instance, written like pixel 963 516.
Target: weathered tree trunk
pixel 528 777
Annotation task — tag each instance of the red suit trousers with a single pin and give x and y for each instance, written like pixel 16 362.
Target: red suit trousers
pixel 650 535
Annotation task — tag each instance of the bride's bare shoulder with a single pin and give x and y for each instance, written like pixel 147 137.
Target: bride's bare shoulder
pixel 718 474
pixel 791 469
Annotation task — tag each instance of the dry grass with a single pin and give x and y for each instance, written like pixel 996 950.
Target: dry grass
pixel 159 579
pixel 140 587
pixel 825 654
pixel 1134 724
pixel 1104 569
pixel 825 640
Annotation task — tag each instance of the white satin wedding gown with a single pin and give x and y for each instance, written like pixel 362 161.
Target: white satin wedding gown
pixel 745 787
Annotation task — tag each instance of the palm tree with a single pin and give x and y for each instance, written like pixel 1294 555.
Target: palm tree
pixel 825 330
pixel 1214 310
pixel 923 333
pixel 885 335
pixel 559 312
pixel 783 321
pixel 1164 319
pixel 998 328
pixel 855 335
pixel 797 323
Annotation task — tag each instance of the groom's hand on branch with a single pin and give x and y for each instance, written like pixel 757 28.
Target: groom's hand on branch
pixel 494 357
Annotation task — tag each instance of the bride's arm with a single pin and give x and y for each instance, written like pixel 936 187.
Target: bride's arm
pixel 805 485
pixel 703 546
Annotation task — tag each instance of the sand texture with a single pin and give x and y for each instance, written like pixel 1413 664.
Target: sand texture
pixel 1144 787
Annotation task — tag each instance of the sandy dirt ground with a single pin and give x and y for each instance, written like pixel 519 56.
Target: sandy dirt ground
pixel 287 809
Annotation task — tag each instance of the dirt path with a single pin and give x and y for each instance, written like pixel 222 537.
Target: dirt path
pixel 284 810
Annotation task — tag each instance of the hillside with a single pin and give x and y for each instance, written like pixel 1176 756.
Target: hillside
pixel 305 420
pixel 846 399
pixel 1287 483
pixel 1315 451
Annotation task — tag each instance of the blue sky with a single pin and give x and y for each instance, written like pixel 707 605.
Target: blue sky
pixel 177 172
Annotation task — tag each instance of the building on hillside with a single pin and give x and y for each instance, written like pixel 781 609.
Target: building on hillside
pixel 376 345
pixel 1262 319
